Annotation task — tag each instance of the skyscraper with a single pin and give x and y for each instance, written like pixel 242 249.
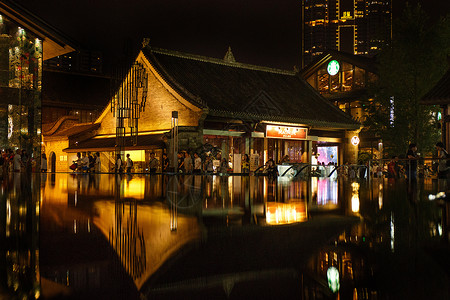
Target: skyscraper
pixel 359 27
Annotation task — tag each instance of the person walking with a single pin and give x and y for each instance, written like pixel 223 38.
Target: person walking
pixel 129 164
pixel 118 166
pixel 43 163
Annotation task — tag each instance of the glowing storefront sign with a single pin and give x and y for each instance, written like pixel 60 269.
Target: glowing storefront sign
pixel 333 67
pixel 284 132
pixel 355 140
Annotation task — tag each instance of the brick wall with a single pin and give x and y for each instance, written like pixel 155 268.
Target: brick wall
pixel 161 101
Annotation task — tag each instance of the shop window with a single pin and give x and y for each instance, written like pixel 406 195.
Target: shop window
pixel 323 82
pixel 359 80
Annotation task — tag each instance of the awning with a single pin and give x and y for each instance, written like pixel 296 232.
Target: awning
pixel 144 142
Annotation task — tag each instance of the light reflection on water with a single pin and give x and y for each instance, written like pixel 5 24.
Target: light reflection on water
pixel 109 235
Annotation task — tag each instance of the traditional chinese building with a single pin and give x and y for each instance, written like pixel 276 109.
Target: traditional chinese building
pixel 177 101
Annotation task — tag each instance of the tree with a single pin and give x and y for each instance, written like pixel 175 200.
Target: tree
pixel 408 68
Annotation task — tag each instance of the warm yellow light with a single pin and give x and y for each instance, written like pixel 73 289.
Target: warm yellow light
pixel 285 213
pixel 135 155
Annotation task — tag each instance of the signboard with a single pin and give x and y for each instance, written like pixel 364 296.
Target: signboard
pixel 284 132
pixel 254 162
pixel 333 67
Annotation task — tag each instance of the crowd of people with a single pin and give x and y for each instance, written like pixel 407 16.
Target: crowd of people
pixel 15 161
pixel 87 162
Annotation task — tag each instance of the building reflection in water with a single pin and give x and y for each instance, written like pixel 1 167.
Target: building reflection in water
pixel 100 233
pixel 19 226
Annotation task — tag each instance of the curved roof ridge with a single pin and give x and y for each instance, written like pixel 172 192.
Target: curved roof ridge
pixel 219 61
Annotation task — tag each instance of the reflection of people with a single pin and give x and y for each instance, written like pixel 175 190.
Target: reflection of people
pixel 43 163
pixel 411 170
pixel 153 163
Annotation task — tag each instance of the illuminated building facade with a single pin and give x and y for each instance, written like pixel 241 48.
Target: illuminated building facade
pixel 222 104
pixel 343 79
pixel 25 43
pixel 359 27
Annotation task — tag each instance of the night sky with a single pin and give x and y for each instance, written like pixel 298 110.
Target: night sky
pixel 261 32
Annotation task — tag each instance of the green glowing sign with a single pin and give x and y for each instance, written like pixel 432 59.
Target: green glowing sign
pixel 333 279
pixel 333 67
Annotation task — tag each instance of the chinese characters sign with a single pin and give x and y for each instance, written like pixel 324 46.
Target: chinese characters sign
pixel 284 132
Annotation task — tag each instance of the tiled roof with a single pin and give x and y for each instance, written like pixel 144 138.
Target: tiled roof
pixel 440 93
pixel 79 128
pixel 247 92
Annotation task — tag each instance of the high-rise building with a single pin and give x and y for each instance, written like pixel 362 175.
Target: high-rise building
pixel 358 27
pixel 81 61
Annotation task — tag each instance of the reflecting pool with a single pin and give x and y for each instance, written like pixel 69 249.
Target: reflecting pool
pixel 105 236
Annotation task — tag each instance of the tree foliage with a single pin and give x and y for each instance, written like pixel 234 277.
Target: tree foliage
pixel 408 68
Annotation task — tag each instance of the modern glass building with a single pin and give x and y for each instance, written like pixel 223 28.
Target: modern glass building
pixel 25 42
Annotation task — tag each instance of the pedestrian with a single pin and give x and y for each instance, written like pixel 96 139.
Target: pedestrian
pixel 188 166
pixel 443 168
pixel 25 161
pixel 197 164
pixel 224 166
pixel 245 165
pixel 208 165
pixel 85 162
pixel 91 161
pixel 153 163
pixel 411 168
pixel 17 161
pixel 393 167
pixel 165 163
pixel 129 164
pixel 180 162
pixel 97 163
pixel 118 168
pixel 43 163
